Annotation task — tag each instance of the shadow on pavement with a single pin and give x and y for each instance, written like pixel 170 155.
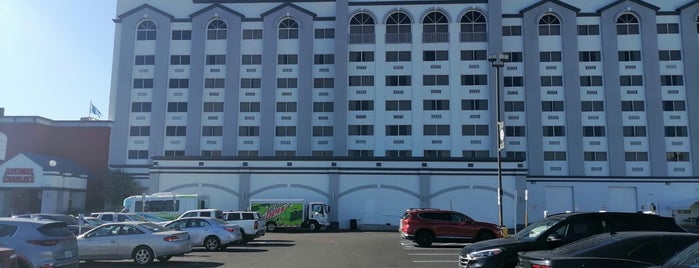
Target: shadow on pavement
pixel 171 263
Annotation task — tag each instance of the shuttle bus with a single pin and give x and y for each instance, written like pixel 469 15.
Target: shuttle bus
pixel 167 206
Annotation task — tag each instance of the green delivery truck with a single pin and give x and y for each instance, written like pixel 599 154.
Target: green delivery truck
pixel 292 213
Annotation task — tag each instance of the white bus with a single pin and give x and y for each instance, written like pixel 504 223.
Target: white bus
pixel 167 206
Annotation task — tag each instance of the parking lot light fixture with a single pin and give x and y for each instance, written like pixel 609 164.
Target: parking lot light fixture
pixel 497 61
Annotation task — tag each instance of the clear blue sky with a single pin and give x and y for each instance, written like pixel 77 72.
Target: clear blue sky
pixel 56 57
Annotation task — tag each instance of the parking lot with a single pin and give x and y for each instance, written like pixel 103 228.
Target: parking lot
pixel 341 249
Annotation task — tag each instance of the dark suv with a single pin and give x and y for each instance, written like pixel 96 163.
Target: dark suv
pixel 425 226
pixel 557 230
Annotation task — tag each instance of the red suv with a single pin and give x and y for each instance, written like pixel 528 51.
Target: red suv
pixel 427 225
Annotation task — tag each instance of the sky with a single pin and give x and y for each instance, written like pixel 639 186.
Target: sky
pixel 56 57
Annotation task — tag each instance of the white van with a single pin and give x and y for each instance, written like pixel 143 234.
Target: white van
pixel 211 213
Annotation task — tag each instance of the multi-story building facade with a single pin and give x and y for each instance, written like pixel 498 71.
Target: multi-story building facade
pixel 594 94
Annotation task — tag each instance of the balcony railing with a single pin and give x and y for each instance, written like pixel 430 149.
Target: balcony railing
pixel 399 38
pixel 473 37
pixel 362 39
pixel 435 37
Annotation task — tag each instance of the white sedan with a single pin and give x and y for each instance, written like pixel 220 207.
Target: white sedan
pixel 140 241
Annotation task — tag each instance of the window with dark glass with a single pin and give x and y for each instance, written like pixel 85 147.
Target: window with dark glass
pixel 250 82
pixel 398 130
pixel 473 27
pixel 674 105
pixel 172 131
pixel 592 29
pixel 361 81
pixel 474 105
pixel 251 59
pixel 360 105
pixel 181 35
pixel 287 59
pixel 248 131
pixel 361 29
pixel 552 106
pixel 361 56
pixel 217 30
pixel 513 81
pixel 514 106
pixel 550 56
pixel 323 107
pixel 591 81
pixel 145 60
pixel 213 107
pixel 212 131
pixel 554 131
pixel 140 107
pixel 668 28
pixel 252 34
pixel 469 55
pixel 474 80
pixel 249 107
pixel 630 80
pixel 214 83
pixel 671 80
pixel 360 130
pixel 396 56
pixel 592 106
pixel 515 131
pixel 325 33
pixel 321 59
pixel 630 55
pixel 179 59
pixel 636 156
pixel 285 131
pixel 286 107
pixel 595 156
pixel 474 130
pixel 554 156
pixel 551 81
pixel 549 25
pixel 634 131
pixel 398 105
pixel 435 130
pixel 287 83
pixel 676 131
pixel 435 80
pixel 139 131
pixel 398 28
pixel 435 105
pixel 143 83
pixel 435 55
pixel 594 131
pixel 146 31
pixel 176 107
pixel 669 55
pixel 323 82
pixel 215 59
pixel 633 106
pixel 398 80
pixel 590 56
pixel 322 131
pixel 627 24
pixel 514 30
pixel 178 83
pixel 288 29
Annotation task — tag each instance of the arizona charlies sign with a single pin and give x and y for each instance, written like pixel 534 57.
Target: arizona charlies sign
pixel 18 175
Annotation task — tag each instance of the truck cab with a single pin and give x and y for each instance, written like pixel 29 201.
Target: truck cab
pixel 318 215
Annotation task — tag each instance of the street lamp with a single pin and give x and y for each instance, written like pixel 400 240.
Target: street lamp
pixel 498 61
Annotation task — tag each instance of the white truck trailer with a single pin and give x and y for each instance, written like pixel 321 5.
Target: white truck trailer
pixel 292 213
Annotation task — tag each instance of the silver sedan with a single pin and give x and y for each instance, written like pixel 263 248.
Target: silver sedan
pixel 211 233
pixel 140 241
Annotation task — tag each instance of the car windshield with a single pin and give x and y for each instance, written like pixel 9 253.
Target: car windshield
pixel 533 231
pixel 153 227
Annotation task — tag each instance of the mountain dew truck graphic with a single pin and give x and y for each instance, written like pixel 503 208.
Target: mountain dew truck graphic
pixel 291 213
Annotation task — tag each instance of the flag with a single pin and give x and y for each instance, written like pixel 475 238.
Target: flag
pixel 93 110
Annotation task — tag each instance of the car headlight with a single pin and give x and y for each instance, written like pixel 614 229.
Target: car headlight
pixel 484 253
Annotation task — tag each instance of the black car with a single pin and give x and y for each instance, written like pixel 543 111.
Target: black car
pixel 687 258
pixel 555 231
pixel 624 249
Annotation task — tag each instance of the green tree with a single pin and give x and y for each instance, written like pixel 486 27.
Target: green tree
pixel 117 186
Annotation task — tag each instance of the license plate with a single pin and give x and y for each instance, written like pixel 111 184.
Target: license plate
pixel 68 254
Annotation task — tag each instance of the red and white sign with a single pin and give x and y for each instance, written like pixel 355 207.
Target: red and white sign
pixel 18 175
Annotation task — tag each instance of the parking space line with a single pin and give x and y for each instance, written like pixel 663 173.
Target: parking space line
pixel 434 254
pixel 442 261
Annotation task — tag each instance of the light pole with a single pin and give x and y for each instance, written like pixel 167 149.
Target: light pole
pixel 498 61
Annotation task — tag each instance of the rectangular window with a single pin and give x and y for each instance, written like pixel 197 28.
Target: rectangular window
pixel 287 83
pixel 551 81
pixel 251 34
pixel 248 153
pixel 594 131
pixel 516 155
pixel 636 156
pixel 213 107
pixel 633 106
pixel 323 82
pixel 172 153
pixel 436 153
pixel 669 55
pixel 286 107
pixel 592 29
pixel 209 153
pixel 360 153
pixel 320 59
pixel 248 131
pixel 139 131
pixel 596 156
pixel 361 80
pixel 630 80
pixel 215 59
pixel 212 131
pixel 514 106
pixel 176 107
pixel 250 83
pixel 287 59
pixel 512 30
pixel 398 80
pixel 677 156
pixel 668 28
pixel 323 107
pixel 398 105
pixel 634 131
pixel 397 56
pixel 181 35
pixel 249 107
pixel 360 130
pixel 514 56
pixel 285 131
pixel 322 131
pixel 469 55
pixel 251 59
pixel 435 130
pixel 474 130
pixel 475 154
pixel 436 55
pixel 360 105
pixel 179 59
pixel 550 56
pixel 214 83
pixel 474 105
pixel 515 131
pixel 176 131
pixel 671 80
pixel 324 33
pixel 145 60
pixel 554 156
pixel 361 56
pixel 140 107
pixel 676 131
pixel 398 130
pixel 143 83
pixel 591 81
pixel 399 153
pixel 513 81
pixel 178 83
pixel 630 55
pixel 672 106
pixel 592 106
pixel 590 56
pixel 552 106
pixel 554 131
pixel 138 154
pixel 474 80
pixel 435 105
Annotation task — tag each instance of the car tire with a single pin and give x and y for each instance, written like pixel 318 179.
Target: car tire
pixel 164 258
pixel 270 226
pixel 212 243
pixel 424 239
pixel 142 255
pixel 485 235
pixel 313 226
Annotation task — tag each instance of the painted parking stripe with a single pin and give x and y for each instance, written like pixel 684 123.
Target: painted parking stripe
pixel 433 254
pixel 441 261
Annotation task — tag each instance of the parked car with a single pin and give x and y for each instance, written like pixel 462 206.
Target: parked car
pixel 73 223
pixel 211 233
pixel 117 216
pixel 425 226
pixel 623 249
pixel 141 241
pixel 8 258
pixel 39 243
pixel 154 219
pixel 557 230
pixel 93 221
pixel 209 212
pixel 250 222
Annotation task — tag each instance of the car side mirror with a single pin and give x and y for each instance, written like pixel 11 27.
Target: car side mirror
pixel 554 238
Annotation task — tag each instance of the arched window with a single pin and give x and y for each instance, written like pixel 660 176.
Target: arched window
pixel 626 24
pixel 435 28
pixel 217 30
pixel 362 29
pixel 146 31
pixel 473 27
pixel 288 29
pixel 398 28
pixel 549 25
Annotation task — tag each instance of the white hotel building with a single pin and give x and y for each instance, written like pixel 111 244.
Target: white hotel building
pixel 378 106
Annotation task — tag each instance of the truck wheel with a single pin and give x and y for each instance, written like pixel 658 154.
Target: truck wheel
pixel 313 226
pixel 270 226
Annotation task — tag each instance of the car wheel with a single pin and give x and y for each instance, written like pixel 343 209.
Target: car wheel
pixel 164 258
pixel 142 255
pixel 212 243
pixel 271 226
pixel 485 235
pixel 313 226
pixel 424 239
